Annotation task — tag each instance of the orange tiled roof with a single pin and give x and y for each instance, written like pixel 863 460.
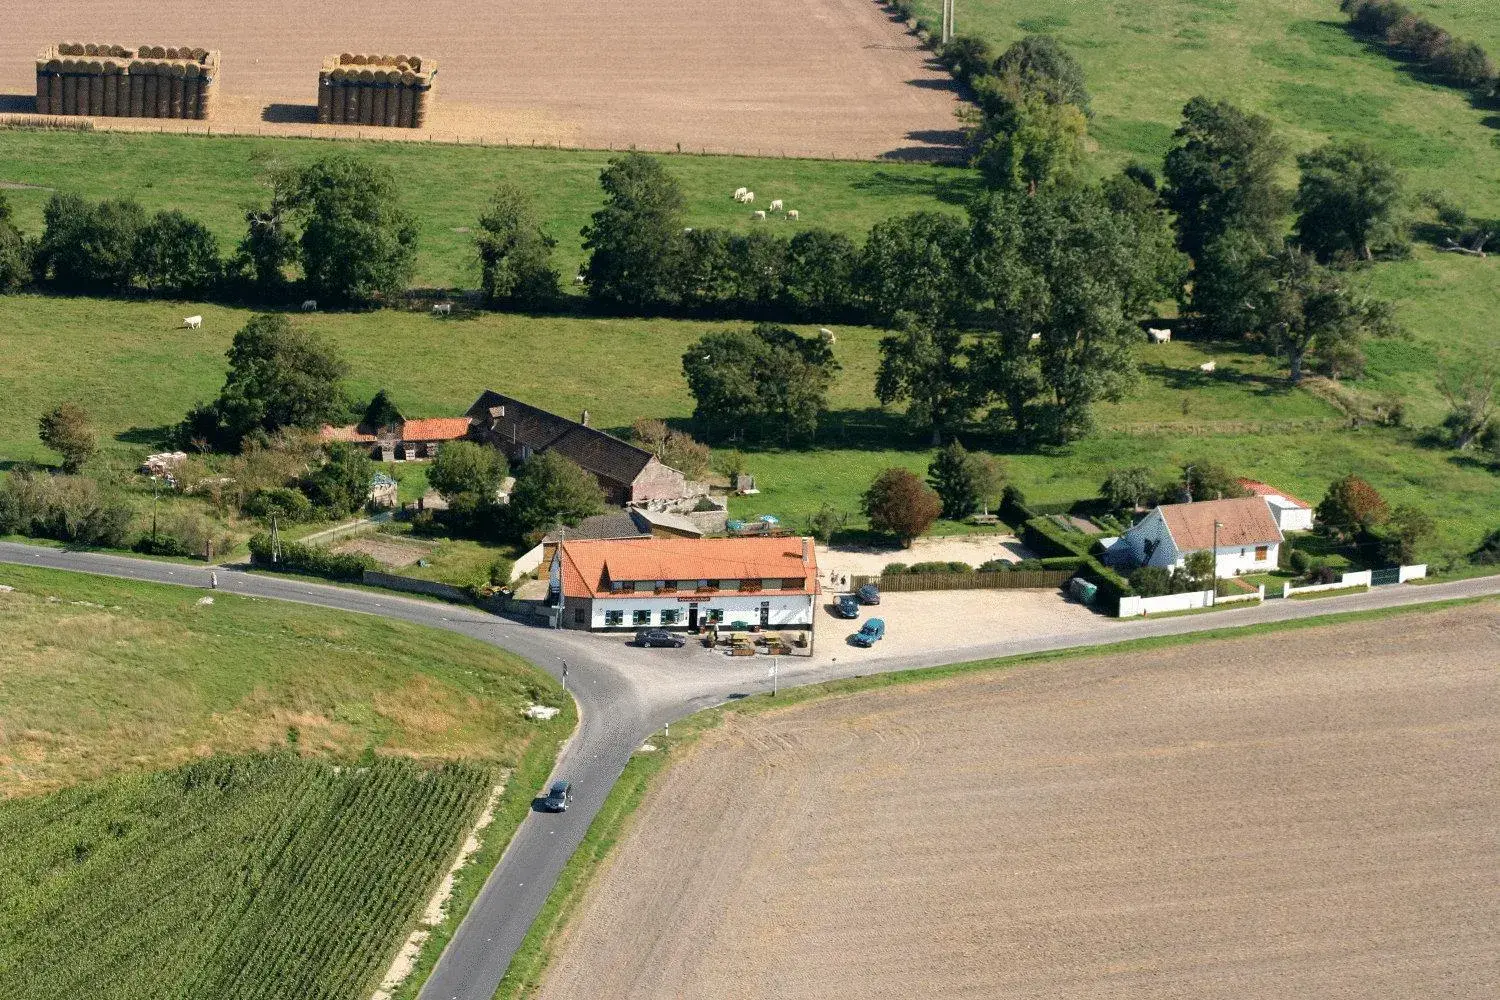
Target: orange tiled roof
pixel 1245 521
pixel 1261 489
pixel 589 565
pixel 435 429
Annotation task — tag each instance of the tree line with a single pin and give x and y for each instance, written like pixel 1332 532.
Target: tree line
pixel 1456 61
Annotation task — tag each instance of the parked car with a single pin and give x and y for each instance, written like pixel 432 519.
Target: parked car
pixel 847 606
pixel 658 637
pixel 870 633
pixel 558 797
pixel 868 594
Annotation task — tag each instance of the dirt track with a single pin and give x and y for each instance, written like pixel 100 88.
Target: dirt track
pixel 801 77
pixel 1311 813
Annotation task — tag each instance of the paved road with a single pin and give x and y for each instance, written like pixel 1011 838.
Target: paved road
pixel 624 694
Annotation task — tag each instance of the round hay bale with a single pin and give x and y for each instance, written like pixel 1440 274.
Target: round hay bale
pixel 408 79
pixel 360 59
pixel 91 49
pixel 54 65
pixel 95 67
pixel 366 76
pixel 346 58
pixel 192 71
pixel 176 71
pixel 158 52
pixel 200 54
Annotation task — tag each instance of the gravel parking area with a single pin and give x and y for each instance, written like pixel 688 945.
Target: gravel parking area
pixel 972 549
pixel 952 620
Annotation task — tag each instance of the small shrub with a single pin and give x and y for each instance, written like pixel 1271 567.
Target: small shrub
pixel 893 569
pixel 1299 561
pixel 939 566
pixel 1321 574
pixel 1151 581
pixel 500 571
pixel 999 566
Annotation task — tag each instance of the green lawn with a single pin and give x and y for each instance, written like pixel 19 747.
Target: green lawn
pixel 1289 59
pixel 216 179
pixel 137 373
pixel 118 676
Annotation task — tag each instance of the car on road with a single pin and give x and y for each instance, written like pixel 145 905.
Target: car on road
pixel 658 637
pixel 558 797
pixel 868 594
pixel 870 633
pixel 847 606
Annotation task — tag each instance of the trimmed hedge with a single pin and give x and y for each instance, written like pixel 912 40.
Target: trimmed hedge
pixel 298 558
pixel 1042 534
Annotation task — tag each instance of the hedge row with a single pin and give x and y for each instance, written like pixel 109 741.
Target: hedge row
pixel 297 558
pixel 1458 61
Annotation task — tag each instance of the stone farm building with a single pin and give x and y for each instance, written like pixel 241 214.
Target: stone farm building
pixel 407 441
pixel 1248 538
pixel 627 474
pixel 685 583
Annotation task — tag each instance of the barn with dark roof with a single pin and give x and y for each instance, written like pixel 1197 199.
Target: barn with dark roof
pixel 627 474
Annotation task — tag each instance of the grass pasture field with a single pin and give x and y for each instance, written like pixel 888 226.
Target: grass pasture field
pixel 446 187
pixel 1207 819
pixel 99 677
pixel 139 372
pixel 836 77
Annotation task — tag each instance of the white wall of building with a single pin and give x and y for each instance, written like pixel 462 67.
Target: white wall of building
pixel 1289 516
pixel 785 611
pixel 1238 559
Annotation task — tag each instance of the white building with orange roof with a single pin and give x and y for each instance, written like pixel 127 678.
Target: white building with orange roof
pixel 1291 514
pixel 685 583
pixel 1241 533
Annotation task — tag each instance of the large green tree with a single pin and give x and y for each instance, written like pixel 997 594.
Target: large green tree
pixel 280 376
pixel 551 489
pixel 1221 175
pixel 15 252
pixel 1348 201
pixel 357 244
pixel 89 247
pixel 762 382
pixel 925 368
pixel 911 269
pixel 177 255
pixel 1042 65
pixel 1036 144
pixel 633 239
pixel 820 270
pixel 465 467
pixel 515 252
pixel 1311 308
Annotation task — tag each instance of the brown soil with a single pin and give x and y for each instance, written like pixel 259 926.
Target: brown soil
pixel 389 552
pixel 1310 813
pixel 800 77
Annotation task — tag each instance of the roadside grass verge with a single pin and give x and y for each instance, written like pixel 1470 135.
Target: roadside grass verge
pixel 529 966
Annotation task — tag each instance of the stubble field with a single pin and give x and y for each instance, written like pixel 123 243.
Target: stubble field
pixel 799 77
pixel 1306 813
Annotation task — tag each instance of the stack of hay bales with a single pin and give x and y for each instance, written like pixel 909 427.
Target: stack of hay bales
pixel 376 90
pixel 111 81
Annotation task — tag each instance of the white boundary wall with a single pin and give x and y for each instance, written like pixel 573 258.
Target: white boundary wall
pixel 1417 572
pixel 1130 607
pixel 1357 579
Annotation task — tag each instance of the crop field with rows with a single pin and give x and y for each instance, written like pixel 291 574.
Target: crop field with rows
pixel 235 877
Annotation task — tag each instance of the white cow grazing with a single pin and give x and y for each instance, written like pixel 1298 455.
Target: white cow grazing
pixel 310 305
pixel 579 279
pixel 776 205
pixel 749 197
pixel 193 322
pixel 1207 366
pixel 757 215
pixel 1158 336
pixel 827 335
pixel 793 214
pixel 442 308
pixel 740 193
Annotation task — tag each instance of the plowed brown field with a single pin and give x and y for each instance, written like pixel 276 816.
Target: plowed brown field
pixel 1311 813
pixel 800 77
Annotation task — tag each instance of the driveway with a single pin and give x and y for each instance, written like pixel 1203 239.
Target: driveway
pixel 624 694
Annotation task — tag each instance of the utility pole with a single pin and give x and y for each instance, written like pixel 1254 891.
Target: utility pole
pixel 948 27
pixel 275 540
pixel 1213 582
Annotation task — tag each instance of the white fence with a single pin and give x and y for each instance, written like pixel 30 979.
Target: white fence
pixel 1131 607
pixel 1361 578
pixel 1417 572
